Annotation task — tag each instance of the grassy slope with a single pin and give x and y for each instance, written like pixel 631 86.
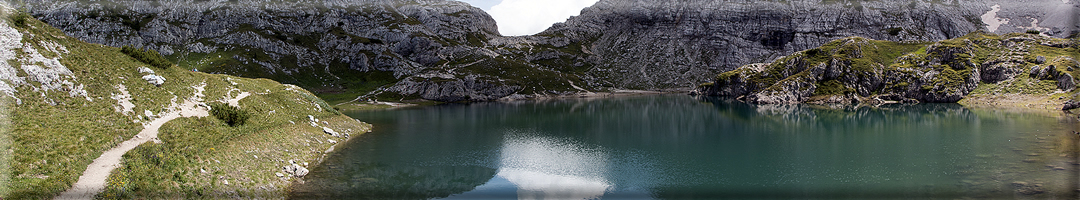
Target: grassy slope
pixel 51 143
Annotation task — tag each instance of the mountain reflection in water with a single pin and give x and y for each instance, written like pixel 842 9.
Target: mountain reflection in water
pixel 676 147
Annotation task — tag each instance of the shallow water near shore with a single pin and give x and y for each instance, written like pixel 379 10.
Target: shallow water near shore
pixel 683 147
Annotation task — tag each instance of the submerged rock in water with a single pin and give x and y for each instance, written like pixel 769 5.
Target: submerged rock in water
pixel 1026 188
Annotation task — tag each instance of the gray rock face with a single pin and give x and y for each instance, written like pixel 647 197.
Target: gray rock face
pixel 385 46
pixel 469 88
pixel 333 45
pixel 1060 70
pixel 661 44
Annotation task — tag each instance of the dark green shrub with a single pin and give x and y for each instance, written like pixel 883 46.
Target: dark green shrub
pixel 150 57
pixel 1036 32
pixel 229 114
pixel 894 31
pixel 20 19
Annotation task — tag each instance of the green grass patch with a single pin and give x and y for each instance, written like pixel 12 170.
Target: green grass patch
pixel 1019 85
pixel 54 135
pixel 831 87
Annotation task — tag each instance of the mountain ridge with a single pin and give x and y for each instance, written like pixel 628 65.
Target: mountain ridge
pixel 449 51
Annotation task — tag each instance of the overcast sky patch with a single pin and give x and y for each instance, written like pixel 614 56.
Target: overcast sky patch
pixel 527 17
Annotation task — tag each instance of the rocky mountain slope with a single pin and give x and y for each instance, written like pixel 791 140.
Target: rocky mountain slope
pixel 856 69
pixel 415 49
pixel 448 51
pixel 64 101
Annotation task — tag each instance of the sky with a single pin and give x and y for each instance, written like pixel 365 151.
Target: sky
pixel 527 17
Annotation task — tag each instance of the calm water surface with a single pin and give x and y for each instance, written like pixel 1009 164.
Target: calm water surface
pixel 682 147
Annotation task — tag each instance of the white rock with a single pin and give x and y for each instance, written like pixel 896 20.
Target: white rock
pixel 148 113
pixel 300 171
pixel 154 79
pixel 330 131
pixel 296 170
pixel 331 141
pixel 279 174
pixel 146 70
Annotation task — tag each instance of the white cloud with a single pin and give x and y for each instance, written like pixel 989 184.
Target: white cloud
pixel 482 4
pixel 526 17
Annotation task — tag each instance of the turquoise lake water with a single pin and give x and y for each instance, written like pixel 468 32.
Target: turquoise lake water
pixel 684 147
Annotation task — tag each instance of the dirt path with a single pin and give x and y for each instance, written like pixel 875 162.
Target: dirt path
pixel 236 101
pixel 93 179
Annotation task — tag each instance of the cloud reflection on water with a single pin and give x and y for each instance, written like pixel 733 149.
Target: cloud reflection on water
pixel 532 166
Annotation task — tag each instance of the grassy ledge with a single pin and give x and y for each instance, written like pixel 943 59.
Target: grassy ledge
pixel 87 98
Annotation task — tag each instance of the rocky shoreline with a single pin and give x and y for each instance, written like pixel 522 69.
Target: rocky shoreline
pixel 859 70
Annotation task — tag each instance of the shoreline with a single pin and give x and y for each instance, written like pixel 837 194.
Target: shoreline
pixel 356 106
pixel 1012 102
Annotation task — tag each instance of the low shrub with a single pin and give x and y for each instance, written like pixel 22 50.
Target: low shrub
pixel 1036 32
pixel 150 57
pixel 229 114
pixel 20 19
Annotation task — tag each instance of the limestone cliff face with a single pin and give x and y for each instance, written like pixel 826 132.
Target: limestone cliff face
pixel 661 44
pixel 328 46
pixel 448 51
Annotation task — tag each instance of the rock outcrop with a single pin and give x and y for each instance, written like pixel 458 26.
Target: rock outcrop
pixel 385 48
pixel 856 69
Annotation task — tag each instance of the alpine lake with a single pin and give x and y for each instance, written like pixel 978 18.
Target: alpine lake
pixel 686 147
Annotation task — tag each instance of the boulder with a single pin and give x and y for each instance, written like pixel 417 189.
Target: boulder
pixel 154 79
pixel 146 70
pixel 331 132
pixel 1026 188
pixel 296 170
pixel 1071 104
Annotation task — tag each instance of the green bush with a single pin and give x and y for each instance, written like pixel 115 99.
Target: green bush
pixel 1036 32
pixel 150 57
pixel 894 31
pixel 20 19
pixel 229 114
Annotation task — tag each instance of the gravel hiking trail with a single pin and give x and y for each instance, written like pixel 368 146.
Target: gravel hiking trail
pixel 93 180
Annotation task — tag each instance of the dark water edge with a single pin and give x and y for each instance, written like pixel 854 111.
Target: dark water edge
pixel 681 147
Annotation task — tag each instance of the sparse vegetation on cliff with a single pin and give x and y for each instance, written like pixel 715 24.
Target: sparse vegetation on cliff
pixel 943 71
